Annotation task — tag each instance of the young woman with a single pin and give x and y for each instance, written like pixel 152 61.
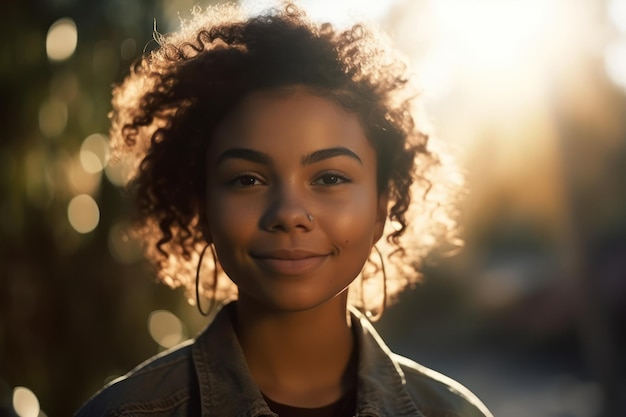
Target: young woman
pixel 287 153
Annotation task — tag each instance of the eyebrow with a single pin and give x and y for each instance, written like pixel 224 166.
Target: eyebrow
pixel 323 154
pixel 265 159
pixel 247 154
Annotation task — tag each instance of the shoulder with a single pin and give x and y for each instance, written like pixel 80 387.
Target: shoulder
pixel 430 392
pixel 162 384
pixel 440 395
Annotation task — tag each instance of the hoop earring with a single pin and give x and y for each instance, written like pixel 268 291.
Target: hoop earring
pixel 383 305
pixel 215 278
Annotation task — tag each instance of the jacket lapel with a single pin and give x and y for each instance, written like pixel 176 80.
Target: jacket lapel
pixel 381 383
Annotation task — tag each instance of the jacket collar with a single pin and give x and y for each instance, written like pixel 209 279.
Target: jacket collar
pixel 227 389
pixel 226 386
pixel 381 383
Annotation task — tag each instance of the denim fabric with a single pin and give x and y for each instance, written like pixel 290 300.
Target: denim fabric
pixel 209 377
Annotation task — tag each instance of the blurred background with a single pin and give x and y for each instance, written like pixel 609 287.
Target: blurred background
pixel 530 93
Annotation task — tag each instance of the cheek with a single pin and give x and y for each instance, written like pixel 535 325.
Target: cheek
pixel 231 226
pixel 352 223
pixel 230 222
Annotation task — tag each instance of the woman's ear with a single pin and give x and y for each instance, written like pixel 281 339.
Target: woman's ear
pixel 381 216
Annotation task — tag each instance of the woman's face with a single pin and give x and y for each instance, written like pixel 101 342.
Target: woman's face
pixel 293 205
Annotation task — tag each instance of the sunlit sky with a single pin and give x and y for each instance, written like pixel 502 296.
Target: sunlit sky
pixel 340 13
pixel 508 51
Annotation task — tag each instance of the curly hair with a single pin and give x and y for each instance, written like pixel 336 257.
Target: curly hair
pixel 166 109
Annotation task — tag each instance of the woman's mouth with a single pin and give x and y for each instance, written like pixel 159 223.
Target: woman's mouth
pixel 289 262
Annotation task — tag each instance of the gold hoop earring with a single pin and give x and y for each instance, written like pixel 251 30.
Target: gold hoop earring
pixel 383 305
pixel 215 278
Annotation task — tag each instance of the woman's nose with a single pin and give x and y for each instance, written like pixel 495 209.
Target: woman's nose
pixel 287 211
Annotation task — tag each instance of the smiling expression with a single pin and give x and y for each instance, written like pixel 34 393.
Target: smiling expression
pixel 292 199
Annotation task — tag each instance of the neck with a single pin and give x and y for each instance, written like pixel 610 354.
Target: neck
pixel 298 358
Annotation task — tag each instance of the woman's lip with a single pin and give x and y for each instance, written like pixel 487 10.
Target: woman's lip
pixel 300 266
pixel 287 254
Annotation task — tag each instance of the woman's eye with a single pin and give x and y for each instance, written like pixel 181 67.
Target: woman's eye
pixel 245 181
pixel 331 179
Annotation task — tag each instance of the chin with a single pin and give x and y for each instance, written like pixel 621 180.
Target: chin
pixel 299 302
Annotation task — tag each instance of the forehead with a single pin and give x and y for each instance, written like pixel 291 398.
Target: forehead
pixel 295 120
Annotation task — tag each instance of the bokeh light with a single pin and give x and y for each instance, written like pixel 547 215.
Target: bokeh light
pixel 62 39
pixel 165 328
pixel 90 161
pixel 94 153
pixel 25 402
pixel 83 213
pixel 80 180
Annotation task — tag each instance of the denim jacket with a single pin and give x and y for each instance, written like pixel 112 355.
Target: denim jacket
pixel 209 377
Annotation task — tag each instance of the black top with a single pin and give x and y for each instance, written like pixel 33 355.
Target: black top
pixel 343 407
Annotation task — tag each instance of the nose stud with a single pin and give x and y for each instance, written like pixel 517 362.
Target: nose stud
pixel 310 217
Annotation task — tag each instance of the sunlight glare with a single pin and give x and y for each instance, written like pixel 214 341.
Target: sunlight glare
pixel 504 52
pixel 492 34
pixel 615 63
pixel 617 13
pixel 436 74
